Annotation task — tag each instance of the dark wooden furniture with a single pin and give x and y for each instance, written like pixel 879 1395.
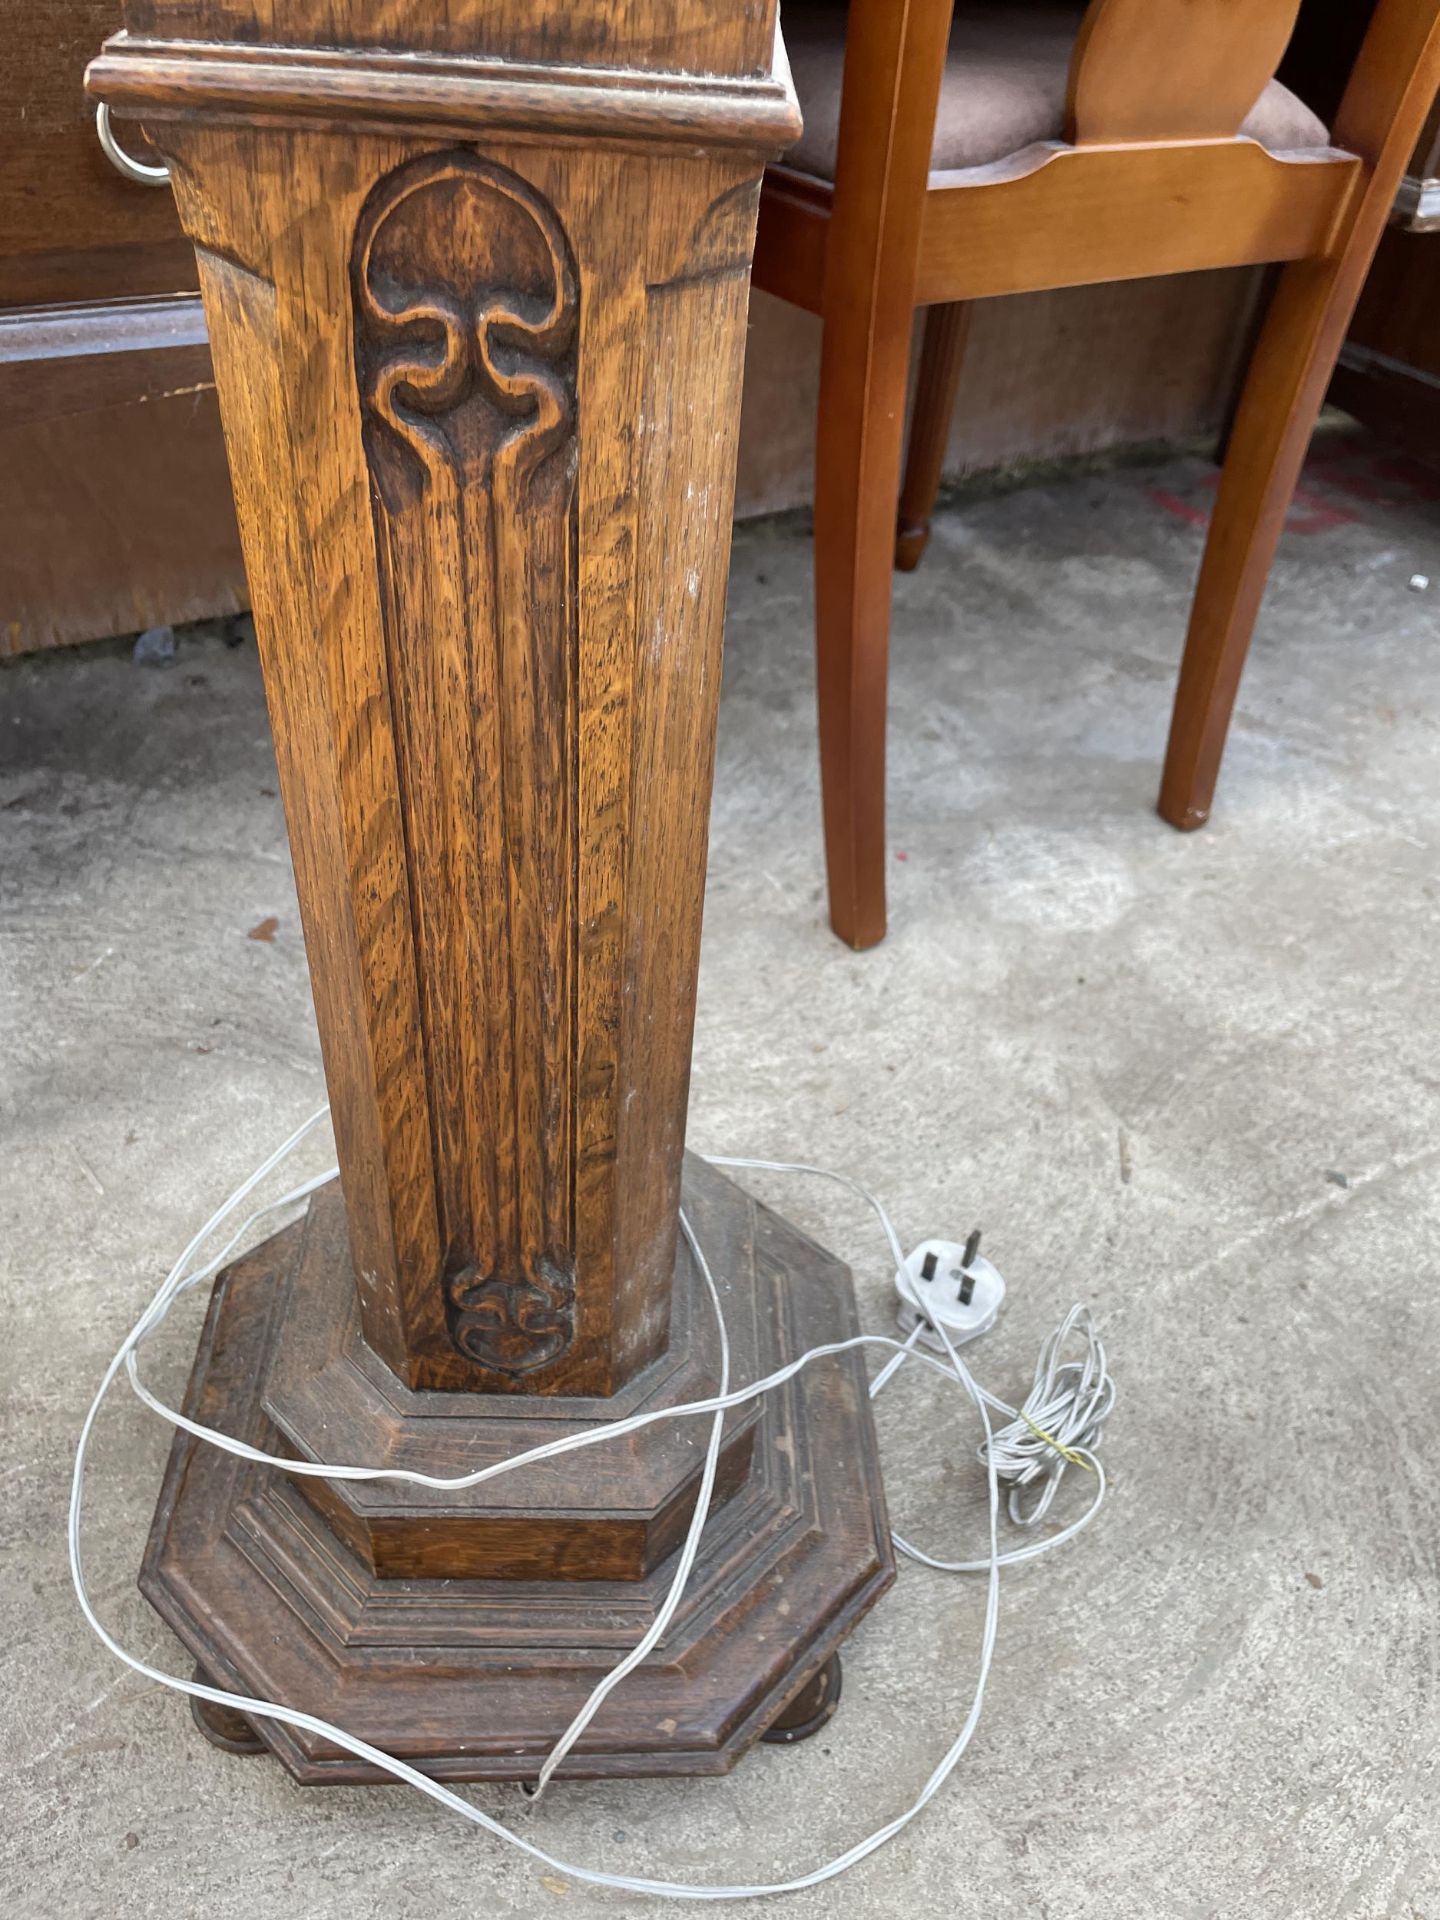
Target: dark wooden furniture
pixel 1417 205
pixel 1104 142
pixel 476 277
pixel 114 496
pixel 1389 369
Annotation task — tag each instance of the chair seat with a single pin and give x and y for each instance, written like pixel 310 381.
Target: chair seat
pixel 1004 85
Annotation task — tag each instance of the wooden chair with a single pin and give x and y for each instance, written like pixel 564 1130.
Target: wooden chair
pixel 935 173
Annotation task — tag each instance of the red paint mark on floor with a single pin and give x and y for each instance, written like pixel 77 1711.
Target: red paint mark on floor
pixel 1333 482
pixel 1311 513
pixel 1182 509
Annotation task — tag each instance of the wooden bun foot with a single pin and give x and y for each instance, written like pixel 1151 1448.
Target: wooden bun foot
pixel 811 1709
pixel 222 1726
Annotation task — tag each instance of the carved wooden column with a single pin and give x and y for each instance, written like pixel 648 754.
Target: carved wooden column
pixel 476 279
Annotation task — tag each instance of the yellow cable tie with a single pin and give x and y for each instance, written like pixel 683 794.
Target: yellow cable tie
pixel 1065 1453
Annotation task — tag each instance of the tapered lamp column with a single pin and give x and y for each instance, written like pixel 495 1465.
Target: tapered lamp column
pixel 476 280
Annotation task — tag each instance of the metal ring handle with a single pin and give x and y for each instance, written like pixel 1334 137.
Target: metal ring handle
pixel 123 162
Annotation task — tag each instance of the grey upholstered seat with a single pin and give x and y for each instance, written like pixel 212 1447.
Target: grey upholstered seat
pixel 1004 84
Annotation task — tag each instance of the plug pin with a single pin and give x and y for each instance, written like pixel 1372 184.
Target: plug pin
pixel 967 1278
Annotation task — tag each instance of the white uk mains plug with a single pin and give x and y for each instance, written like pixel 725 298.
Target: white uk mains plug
pixel 945 1284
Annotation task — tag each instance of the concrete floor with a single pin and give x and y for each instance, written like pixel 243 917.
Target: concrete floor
pixel 1192 1080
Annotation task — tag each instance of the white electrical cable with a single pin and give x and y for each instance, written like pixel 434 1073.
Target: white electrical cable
pixel 1060 1421
pixel 687 1555
pixel 1058 1425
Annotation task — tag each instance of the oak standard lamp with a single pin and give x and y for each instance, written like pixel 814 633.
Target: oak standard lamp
pixel 476 274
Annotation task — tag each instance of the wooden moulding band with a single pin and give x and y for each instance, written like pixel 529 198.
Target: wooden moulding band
pixel 420 93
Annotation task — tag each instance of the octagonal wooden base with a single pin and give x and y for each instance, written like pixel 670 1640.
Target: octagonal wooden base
pixel 463 1632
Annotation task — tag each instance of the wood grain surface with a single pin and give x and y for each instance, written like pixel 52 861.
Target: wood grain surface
pixel 484 471
pixel 481 400
pixel 1172 69
pixel 472 1677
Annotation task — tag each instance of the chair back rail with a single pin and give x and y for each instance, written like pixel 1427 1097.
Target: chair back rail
pixel 1064 217
pixel 1149 70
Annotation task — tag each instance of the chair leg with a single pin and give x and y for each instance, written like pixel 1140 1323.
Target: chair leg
pixel 1284 389
pixel 864 366
pixel 941 355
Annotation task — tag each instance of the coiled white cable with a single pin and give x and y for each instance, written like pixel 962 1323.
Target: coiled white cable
pixel 1060 1422
pixel 1062 1416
